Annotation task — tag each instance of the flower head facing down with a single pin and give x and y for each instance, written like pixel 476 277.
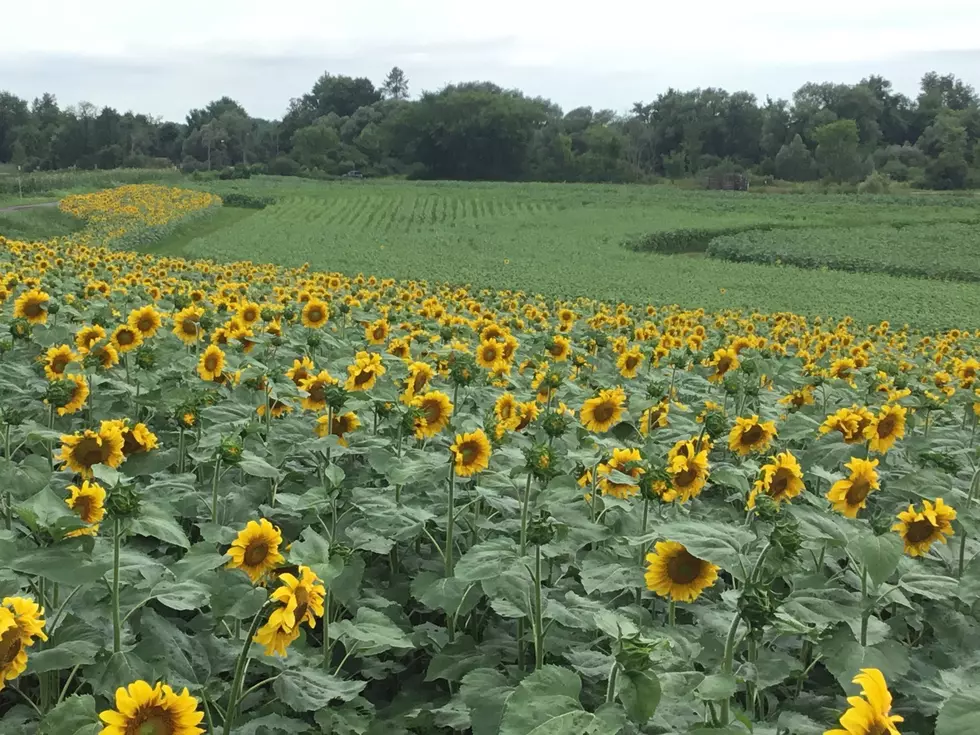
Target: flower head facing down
pixel 626 461
pixel 781 479
pixel 300 599
pixel 675 573
pixel 851 494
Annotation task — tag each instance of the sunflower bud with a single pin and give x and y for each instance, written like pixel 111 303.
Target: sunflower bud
pixel 446 334
pixel 555 424
pixel 408 420
pixel 222 308
pixel 552 380
pixel 757 606
pixel 122 501
pixel 146 357
pixel 6 345
pixel 541 460
pixel 656 390
pixel 463 370
pixel 383 408
pixel 276 341
pixel 314 339
pixel 181 301
pixel 678 359
pixel 730 384
pixel 267 314
pixel 344 308
pixel 207 321
pixel 715 424
pixel 289 313
pixel 20 328
pixel 53 307
pixel 541 530
pixel 335 396
pixel 230 450
pixel 59 392
pixel 633 654
pixel 13 416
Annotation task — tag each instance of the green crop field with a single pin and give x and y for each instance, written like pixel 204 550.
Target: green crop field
pixel 572 240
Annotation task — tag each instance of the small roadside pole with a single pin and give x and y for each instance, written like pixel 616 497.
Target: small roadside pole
pixel 20 187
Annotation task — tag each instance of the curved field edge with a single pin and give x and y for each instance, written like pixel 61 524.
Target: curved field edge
pixel 531 256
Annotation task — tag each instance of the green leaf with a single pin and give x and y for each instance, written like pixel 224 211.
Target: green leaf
pixel 932 586
pixel 717 686
pixel 485 692
pixel 460 657
pixel 185 595
pixel 149 463
pixel 453 595
pixel 74 716
pixel 960 714
pixel 730 477
pixel 201 558
pixel 64 564
pixel 545 702
pixel 372 632
pixel 46 510
pixel 718 543
pixel 179 654
pixel 63 656
pixel 821 606
pixel 487 560
pixel 272 725
pixel 640 694
pixel 819 527
pixel 255 466
pixel 158 522
pixel 880 555
pixel 306 690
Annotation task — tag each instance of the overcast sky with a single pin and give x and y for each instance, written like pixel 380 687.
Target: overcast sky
pixel 164 57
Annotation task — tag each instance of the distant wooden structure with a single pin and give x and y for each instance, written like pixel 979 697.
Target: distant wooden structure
pixel 728 182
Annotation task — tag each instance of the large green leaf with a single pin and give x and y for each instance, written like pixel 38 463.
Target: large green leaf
pixel 62 656
pixel 65 564
pixel 485 693
pixel 371 632
pixel 159 522
pixel 185 595
pixel 880 555
pixel 640 694
pixel 546 703
pixel 76 715
pixel 487 560
pixel 932 586
pixel 307 690
pixel 960 714
pixel 460 657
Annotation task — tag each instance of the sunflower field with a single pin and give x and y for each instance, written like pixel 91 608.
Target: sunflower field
pixel 243 498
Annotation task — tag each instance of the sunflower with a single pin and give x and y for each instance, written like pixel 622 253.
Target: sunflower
pixel 687 465
pixel 211 364
pixel 601 413
pixel 249 313
pixel 851 495
pixel 921 529
pixel 870 714
pixel 625 461
pixel 315 387
pixel 146 320
pixel 505 408
pixel 967 371
pixel 399 347
pixel 106 355
pixel 341 425
pixel 56 361
pixel 376 333
pixel 277 408
pixel 156 710
pixel 365 371
pixel 81 451
pixel 300 371
pixel 32 306
pixel 887 427
pixel 301 601
pixel 88 336
pixel 655 417
pixel 674 572
pixel 79 394
pixel 630 362
pixel 314 314
pixel 751 435
pixel 137 439
pixel 88 502
pixel 723 361
pixel 20 623
pixel 798 398
pixel 187 324
pixel 781 480
pixel 850 422
pixel 559 348
pixel 256 549
pixel 526 413
pixel 489 354
pixel 124 338
pixel 471 453
pixel 419 375
pixel 843 368
pixel 434 409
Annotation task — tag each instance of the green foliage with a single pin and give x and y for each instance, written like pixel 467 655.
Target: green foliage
pixel 247 201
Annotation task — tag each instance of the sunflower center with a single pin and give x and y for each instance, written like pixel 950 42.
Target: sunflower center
pixel 10 645
pixel 686 477
pixel 363 377
pixel 189 327
pixel 469 452
pixel 83 506
pixel 154 720
pixel 433 412
pixel 603 412
pixel 506 411
pixel 256 553
pixel 886 426
pixel 753 435
pixel 145 324
pixel 32 309
pixel 88 452
pixel 316 392
pixel 919 531
pixel 59 363
pixel 683 568
pixel 631 362
pixel 302 604
pixel 858 491
pixel 131 444
pixel 300 375
pixel 379 333
pixel 314 314
pixel 418 382
pixel 490 354
pixel 723 365
pixel 125 337
pixel 780 482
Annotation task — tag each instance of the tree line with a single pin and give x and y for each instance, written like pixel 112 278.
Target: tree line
pixel 478 130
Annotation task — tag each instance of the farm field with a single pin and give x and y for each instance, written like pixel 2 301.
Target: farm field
pixel 569 241
pixel 251 498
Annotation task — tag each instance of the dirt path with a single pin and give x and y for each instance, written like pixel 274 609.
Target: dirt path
pixel 17 207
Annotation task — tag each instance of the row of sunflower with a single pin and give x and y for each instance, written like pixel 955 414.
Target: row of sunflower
pixel 659 520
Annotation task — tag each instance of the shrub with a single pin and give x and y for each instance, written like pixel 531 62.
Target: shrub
pixel 247 201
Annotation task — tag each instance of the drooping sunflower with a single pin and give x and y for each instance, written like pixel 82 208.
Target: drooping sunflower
pixel 559 348
pixel 921 529
pixel 20 623
pixel 886 428
pixel 723 361
pixel 655 417
pixel 967 371
pixel 138 439
pixel 630 362
pixel 851 494
pixel 56 361
pixel 88 502
pixel 315 314
pixel 300 371
pixel 81 451
pixel 419 375
pixel 79 394
pixel 211 364
pixel 869 714
pixel 675 573
pixel 625 461
pixel 505 408
pixel 187 324
pixel 687 465
pixel 781 479
pixel 125 338
pixel 601 413
pixel 364 373
pixel 850 422
pixel 256 549
pixel 342 425
pixel 751 435
pixel 88 336
pixel 146 320
pixel 798 398
pixel 376 333
pixel 434 408
pixel 152 710
pixel 526 413
pixel 315 387
pixel 277 408
pixel 32 305
pixel 105 354
pixel 471 453
pixel 300 601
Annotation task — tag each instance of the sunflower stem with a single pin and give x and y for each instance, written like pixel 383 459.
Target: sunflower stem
pixel 672 614
pixel 8 515
pixel 525 504
pixel 538 612
pixel 450 524
pixel 234 695
pixel 116 613
pixel 726 667
pixel 611 686
pixel 974 486
pixel 327 646
pixel 865 611
pixel 214 489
